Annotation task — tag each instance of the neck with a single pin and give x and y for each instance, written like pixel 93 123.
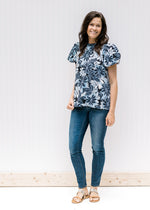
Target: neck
pixel 91 41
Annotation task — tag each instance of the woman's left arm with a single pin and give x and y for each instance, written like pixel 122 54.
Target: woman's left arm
pixel 112 72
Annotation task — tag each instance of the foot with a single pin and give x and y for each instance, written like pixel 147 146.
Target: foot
pixel 81 195
pixel 93 194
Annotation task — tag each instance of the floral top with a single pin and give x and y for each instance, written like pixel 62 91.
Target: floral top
pixel 92 87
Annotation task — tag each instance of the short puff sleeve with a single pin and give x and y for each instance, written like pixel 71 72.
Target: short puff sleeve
pixel 111 55
pixel 72 57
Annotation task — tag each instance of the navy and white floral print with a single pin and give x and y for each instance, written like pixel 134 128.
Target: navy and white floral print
pixel 92 87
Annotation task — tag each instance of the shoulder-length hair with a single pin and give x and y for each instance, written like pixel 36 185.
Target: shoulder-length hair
pixel 83 36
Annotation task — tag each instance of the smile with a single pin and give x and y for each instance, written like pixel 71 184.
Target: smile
pixel 93 32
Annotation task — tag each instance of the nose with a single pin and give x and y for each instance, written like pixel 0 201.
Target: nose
pixel 94 27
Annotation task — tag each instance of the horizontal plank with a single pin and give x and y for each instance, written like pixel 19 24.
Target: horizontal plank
pixel 69 179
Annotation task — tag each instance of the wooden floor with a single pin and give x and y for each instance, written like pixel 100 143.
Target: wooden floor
pixel 51 198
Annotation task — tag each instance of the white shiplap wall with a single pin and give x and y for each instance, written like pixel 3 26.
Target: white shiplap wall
pixel 36 81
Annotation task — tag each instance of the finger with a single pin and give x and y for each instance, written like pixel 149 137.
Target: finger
pixel 68 106
pixel 71 107
pixel 107 122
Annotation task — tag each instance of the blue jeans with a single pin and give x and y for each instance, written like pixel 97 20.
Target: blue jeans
pixel 79 120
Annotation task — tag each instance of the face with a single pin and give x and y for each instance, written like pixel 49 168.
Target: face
pixel 94 29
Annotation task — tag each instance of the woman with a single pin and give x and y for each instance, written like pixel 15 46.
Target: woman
pixel 93 99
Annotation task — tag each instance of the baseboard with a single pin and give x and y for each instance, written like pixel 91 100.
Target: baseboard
pixel 68 179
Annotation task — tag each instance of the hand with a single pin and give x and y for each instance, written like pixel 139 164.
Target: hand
pixel 110 118
pixel 70 104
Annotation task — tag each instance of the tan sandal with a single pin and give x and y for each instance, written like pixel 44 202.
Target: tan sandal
pixel 93 196
pixel 83 196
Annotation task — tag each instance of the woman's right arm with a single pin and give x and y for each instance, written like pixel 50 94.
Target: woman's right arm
pixel 71 102
pixel 72 94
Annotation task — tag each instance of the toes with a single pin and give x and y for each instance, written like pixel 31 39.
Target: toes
pixel 76 199
pixel 94 199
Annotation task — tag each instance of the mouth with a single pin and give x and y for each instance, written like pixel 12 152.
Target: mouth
pixel 93 32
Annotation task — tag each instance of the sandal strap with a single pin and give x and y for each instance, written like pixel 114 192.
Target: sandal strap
pixel 82 192
pixel 93 190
